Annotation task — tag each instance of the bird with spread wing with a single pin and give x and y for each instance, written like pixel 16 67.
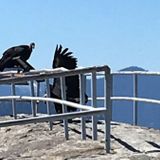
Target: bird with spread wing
pixel 63 58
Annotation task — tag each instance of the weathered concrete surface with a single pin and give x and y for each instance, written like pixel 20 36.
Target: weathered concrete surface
pixel 36 141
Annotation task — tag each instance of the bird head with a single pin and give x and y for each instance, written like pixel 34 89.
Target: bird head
pixel 32 45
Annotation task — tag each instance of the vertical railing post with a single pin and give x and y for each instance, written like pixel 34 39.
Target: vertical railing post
pixel 48 95
pixel 108 106
pixel 94 104
pixel 13 92
pixel 135 103
pixel 64 108
pixel 37 94
pixel 48 103
pixel 32 102
pixel 82 100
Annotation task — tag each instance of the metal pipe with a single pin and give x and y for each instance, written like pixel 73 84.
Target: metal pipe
pixel 64 109
pixel 48 103
pixel 82 100
pixel 50 117
pixel 94 104
pixel 45 99
pixel 13 92
pixel 48 95
pixel 32 102
pixel 53 74
pixel 135 94
pixel 37 94
pixel 108 111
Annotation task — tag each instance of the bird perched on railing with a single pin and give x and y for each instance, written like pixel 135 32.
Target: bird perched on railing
pixel 17 56
pixel 63 58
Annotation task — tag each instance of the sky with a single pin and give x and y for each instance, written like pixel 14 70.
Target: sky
pixel 117 33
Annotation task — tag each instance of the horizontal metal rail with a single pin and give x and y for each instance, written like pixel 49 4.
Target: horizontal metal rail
pixel 52 117
pixel 68 103
pixel 53 74
pixel 130 73
pixel 97 98
pixel 147 100
pixel 136 72
pixel 137 99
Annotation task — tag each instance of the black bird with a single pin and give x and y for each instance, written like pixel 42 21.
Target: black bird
pixel 63 58
pixel 17 56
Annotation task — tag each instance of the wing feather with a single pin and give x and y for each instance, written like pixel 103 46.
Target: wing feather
pixel 65 59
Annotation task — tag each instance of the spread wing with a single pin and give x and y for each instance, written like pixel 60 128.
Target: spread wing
pixel 63 58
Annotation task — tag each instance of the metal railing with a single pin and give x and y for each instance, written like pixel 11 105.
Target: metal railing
pixel 135 97
pixel 13 79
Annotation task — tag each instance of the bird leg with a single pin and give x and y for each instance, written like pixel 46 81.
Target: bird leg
pixel 26 66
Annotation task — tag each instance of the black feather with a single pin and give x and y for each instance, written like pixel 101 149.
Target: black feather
pixel 22 52
pixel 63 58
pixel 64 51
